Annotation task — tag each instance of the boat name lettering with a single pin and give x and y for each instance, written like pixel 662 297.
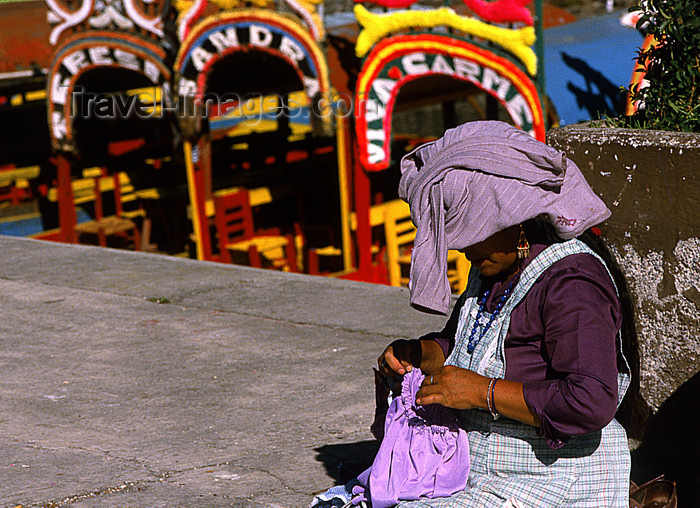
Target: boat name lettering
pixel 383 90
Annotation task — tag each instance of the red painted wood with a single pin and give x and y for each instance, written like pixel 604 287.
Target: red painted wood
pixel 66 208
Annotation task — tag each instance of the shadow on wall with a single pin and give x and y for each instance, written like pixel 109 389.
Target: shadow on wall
pixel 344 462
pixel 601 96
pixel 671 444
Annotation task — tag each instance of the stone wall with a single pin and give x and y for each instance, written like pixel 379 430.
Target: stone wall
pixel 650 182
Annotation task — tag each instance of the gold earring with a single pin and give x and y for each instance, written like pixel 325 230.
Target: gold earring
pixel 523 245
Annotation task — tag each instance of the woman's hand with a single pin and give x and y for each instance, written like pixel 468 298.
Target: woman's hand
pixel 454 387
pixel 400 357
pixel 459 388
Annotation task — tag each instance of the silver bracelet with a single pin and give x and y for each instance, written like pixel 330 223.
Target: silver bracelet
pixel 490 398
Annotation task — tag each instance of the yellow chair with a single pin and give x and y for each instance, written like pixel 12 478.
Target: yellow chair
pixel 400 234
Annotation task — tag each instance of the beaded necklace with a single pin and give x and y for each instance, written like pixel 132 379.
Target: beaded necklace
pixel 473 340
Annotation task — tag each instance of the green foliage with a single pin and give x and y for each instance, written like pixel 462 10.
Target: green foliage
pixel 671 101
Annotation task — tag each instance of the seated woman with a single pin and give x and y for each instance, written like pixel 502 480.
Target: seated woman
pixel 534 356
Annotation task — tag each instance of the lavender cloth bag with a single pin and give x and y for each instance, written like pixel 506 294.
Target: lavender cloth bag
pixel 424 452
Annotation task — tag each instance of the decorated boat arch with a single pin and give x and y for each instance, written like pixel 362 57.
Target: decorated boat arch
pixel 249 77
pixel 304 116
pixel 413 57
pixel 108 100
pixel 395 62
pixel 95 51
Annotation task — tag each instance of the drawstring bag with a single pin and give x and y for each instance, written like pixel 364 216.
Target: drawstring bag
pixel 424 452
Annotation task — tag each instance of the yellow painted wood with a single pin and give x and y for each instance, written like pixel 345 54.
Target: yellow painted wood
pixel 400 234
pixel 27 173
pixel 344 196
pixel 271 248
pixel 257 197
pixel 194 202
pixel 84 188
pixel 377 213
pixel 263 243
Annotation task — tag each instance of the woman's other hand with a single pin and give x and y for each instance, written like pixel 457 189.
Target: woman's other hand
pixel 453 387
pixel 459 388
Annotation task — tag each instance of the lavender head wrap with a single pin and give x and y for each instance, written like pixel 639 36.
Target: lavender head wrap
pixel 478 179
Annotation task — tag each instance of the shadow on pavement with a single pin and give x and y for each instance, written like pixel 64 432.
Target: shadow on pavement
pixel 343 462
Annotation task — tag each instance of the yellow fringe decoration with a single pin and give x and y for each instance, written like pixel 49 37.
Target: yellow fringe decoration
pixel 235 4
pixel 377 26
pixel 182 5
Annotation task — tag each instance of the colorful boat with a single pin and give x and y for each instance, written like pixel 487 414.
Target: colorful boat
pixel 264 133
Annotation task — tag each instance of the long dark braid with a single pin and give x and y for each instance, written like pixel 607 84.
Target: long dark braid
pixel 634 411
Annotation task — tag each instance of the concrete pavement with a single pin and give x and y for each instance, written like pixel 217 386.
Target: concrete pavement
pixel 138 380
